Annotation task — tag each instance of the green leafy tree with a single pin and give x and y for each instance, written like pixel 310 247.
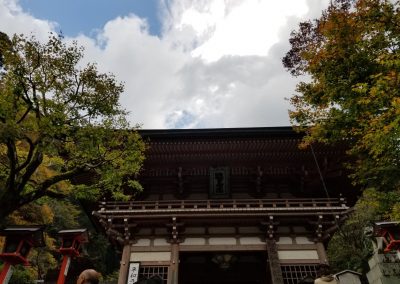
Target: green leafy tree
pixel 40 259
pixel 60 119
pixel 57 215
pixel 352 58
pixel 350 248
pixel 22 275
pixel 4 45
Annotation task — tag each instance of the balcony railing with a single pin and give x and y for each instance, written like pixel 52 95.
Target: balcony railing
pixel 239 206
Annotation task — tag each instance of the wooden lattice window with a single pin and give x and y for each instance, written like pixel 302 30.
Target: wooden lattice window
pixel 146 272
pixel 292 274
pixel 219 182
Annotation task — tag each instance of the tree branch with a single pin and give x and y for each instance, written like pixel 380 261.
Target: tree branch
pixel 42 189
pixel 12 161
pixel 25 95
pixel 30 169
pixel 29 157
pixel 35 100
pixel 25 114
pixel 33 196
pixel 44 103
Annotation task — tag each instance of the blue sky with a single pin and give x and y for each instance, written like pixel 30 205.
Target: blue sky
pixel 88 16
pixel 184 63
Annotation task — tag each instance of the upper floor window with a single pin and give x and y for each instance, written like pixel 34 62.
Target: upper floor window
pixel 219 182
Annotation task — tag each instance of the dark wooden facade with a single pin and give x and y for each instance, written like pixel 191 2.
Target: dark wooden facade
pixel 221 200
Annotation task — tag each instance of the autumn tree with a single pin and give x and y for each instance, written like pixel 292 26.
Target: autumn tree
pixel 351 58
pixel 58 215
pixel 59 119
pixel 41 259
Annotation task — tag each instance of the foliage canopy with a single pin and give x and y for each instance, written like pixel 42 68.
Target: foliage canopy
pixel 60 119
pixel 350 248
pixel 352 56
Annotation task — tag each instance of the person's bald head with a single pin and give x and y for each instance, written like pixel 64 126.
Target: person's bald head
pixel 88 276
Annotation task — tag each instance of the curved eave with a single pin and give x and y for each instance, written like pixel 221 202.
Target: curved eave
pixel 254 132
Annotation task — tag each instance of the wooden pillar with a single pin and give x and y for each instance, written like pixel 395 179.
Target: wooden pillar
pixel 274 263
pixel 64 269
pixel 174 263
pixel 175 240
pixel 321 252
pixel 123 270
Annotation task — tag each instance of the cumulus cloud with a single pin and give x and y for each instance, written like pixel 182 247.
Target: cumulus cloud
pixel 13 20
pixel 236 78
pixel 145 63
pixel 216 63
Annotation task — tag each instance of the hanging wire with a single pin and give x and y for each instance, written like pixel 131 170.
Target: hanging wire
pixel 324 186
pixel 319 172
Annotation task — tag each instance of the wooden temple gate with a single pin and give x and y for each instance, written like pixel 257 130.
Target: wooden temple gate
pixel 228 206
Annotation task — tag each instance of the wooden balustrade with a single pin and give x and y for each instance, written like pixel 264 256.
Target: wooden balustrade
pixel 224 204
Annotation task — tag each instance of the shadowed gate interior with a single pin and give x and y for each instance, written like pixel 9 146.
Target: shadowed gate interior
pixel 223 268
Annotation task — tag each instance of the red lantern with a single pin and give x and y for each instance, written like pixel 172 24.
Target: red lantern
pixel 72 241
pixel 71 245
pixel 19 241
pixel 390 232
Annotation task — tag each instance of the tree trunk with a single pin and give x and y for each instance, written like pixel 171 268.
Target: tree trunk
pixel 9 202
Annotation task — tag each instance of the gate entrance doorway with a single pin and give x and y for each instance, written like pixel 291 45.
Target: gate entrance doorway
pixel 223 268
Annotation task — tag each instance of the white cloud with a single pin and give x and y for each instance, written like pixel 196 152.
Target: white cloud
pixel 13 20
pixel 238 76
pixel 221 28
pixel 146 64
pixel 216 64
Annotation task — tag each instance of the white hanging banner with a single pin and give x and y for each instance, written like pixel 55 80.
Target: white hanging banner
pixel 133 273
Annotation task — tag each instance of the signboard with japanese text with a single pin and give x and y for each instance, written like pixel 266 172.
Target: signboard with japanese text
pixel 133 273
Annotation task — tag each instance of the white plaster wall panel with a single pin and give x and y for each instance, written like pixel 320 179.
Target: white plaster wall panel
pixel 303 241
pixel 285 241
pixel 194 241
pixel 222 241
pixel 142 243
pixel 195 230
pixel 221 230
pixel 160 242
pixel 251 241
pixel 151 256
pixel 297 254
pixel 249 230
